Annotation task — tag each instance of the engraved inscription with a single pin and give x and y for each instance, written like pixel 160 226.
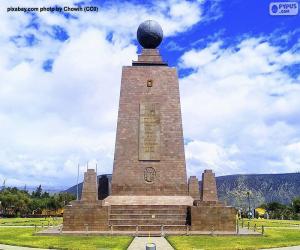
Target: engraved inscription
pixel 149 132
pixel 149 174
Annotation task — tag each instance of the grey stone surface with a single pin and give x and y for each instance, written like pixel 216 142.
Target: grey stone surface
pixel 8 247
pixel 284 248
pixel 139 243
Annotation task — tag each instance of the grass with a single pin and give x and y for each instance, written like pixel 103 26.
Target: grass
pixel 278 233
pixel 25 237
pixel 53 221
pixel 271 223
pixel 272 238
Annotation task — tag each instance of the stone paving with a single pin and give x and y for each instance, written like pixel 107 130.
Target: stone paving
pixel 284 248
pixel 139 243
pixel 8 247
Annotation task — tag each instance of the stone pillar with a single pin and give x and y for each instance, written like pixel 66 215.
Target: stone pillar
pixel 90 189
pixel 149 151
pixel 208 214
pixel 194 188
pixel 209 186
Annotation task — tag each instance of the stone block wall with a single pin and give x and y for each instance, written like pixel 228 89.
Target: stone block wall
pixel 82 216
pixel 209 186
pixel 216 218
pixel 194 188
pixel 90 189
pixel 162 171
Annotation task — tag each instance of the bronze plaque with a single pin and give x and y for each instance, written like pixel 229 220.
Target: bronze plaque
pixel 149 132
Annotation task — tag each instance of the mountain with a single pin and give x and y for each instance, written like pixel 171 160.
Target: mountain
pixel 262 188
pixel 233 189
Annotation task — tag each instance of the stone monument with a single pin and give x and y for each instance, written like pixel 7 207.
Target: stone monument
pixel 87 214
pixel 149 152
pixel 149 189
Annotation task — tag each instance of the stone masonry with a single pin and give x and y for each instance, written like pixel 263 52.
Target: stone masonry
pixel 149 152
pixel 90 187
pixel 208 213
pixel 194 188
pixel 88 214
pixel 209 186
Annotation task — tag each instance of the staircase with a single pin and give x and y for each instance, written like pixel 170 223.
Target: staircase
pixel 144 218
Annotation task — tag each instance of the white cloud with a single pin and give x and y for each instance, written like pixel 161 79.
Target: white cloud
pixel 51 121
pixel 203 155
pixel 240 109
pixel 240 96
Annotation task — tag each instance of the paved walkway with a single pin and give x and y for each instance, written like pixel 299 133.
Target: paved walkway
pixel 8 247
pixel 284 248
pixel 139 243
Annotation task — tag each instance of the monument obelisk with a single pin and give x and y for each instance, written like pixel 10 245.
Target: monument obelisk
pixel 149 151
pixel 149 190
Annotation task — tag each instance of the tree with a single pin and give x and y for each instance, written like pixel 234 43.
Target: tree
pixel 65 198
pixel 14 201
pixel 38 192
pixel 296 205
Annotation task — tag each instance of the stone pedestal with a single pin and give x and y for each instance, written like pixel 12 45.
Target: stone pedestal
pixel 209 217
pixel 208 213
pixel 90 189
pixel 209 186
pixel 194 191
pixel 88 214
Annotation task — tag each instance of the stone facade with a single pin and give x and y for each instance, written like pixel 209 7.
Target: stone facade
pixel 208 213
pixel 90 187
pixel 149 152
pixel 209 186
pixel 213 218
pixel 88 214
pixel 194 190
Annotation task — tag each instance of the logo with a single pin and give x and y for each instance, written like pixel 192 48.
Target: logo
pixel 274 8
pixel 283 8
pixel 149 174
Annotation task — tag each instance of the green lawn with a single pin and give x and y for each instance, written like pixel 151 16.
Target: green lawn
pixel 271 223
pixel 30 221
pixel 283 235
pixel 25 237
pixel 272 238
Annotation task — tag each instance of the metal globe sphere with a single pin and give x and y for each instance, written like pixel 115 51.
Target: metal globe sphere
pixel 149 34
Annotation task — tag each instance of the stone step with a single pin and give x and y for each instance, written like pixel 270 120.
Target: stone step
pixel 149 228
pixel 146 211
pixel 148 216
pixel 168 207
pixel 146 222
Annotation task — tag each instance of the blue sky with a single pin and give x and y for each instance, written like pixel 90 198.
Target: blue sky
pixel 239 74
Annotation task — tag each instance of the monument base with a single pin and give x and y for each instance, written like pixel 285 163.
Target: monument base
pixel 213 216
pixel 148 200
pixel 86 216
pixel 148 213
pixel 163 214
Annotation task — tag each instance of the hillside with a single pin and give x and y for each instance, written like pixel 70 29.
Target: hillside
pixel 262 188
